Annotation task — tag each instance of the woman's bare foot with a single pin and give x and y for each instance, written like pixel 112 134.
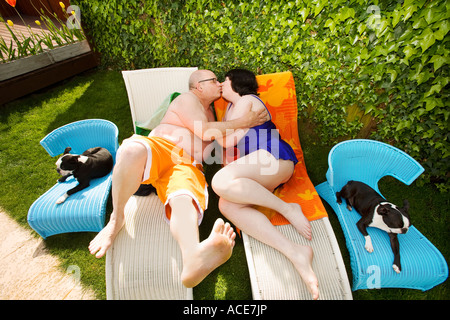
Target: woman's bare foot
pixel 210 253
pixel 302 261
pixel 105 238
pixel 298 220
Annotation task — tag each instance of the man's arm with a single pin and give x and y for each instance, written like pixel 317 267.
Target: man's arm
pixel 193 116
pixel 248 120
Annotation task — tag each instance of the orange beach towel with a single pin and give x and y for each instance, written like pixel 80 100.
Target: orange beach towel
pixel 277 91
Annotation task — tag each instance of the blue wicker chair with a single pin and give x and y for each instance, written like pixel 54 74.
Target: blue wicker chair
pixel 423 266
pixel 84 210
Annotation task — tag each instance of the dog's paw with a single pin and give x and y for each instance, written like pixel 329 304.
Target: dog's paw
pixel 396 268
pixel 61 199
pixel 368 246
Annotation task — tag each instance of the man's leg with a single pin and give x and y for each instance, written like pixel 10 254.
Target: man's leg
pixel 199 258
pixel 127 176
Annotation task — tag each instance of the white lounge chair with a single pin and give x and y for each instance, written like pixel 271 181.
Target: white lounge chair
pixel 145 260
pixel 272 275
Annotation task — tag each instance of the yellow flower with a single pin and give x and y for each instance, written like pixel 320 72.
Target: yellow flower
pixel 73 12
pixel 37 22
pixel 10 23
pixel 62 5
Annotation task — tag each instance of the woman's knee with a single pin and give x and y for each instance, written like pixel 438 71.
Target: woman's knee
pixel 227 208
pixel 221 182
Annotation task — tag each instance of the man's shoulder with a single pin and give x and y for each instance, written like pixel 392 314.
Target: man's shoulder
pixel 187 97
pixel 185 101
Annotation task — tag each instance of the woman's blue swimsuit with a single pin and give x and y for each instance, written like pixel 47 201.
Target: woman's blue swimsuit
pixel 267 137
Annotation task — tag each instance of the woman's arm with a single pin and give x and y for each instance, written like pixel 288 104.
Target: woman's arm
pixel 241 109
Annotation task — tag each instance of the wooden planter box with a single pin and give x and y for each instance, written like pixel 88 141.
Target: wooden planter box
pixel 26 75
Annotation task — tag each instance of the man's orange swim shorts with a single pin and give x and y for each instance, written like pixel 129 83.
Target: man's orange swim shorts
pixel 173 172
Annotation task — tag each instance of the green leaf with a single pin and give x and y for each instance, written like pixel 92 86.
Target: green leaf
pixel 396 15
pixel 409 51
pixel 420 23
pixel 345 13
pixel 408 33
pixel 438 61
pixel 408 3
pixel 424 77
pixel 304 13
pixel 409 11
pixel 431 103
pixel 403 124
pixel 393 73
pixel 380 50
pixel 428 39
pixel 330 24
pixel 432 15
pixel 428 13
pixel 382 28
pixel 428 134
pixel 319 6
pixel 443 28
pixel 434 89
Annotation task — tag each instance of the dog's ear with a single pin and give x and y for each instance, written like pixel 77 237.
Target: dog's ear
pixel 382 211
pixel 67 150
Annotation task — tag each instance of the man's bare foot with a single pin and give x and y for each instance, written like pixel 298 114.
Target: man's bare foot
pixel 211 253
pixel 298 220
pixel 303 263
pixel 104 239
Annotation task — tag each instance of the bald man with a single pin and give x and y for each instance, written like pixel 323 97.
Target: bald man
pixel 173 151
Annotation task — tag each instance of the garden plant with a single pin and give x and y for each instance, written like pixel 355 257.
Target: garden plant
pixel 57 33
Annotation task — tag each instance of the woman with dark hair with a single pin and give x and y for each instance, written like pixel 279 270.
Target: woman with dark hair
pixel 263 162
pixel 242 81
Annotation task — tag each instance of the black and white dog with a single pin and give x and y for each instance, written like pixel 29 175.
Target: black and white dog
pixel 376 212
pixel 93 163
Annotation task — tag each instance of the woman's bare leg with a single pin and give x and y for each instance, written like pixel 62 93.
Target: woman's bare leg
pixel 242 182
pixel 256 224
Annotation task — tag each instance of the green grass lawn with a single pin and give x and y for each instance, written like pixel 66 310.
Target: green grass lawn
pixel 27 171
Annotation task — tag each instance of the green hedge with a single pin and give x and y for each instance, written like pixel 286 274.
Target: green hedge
pixel 377 71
